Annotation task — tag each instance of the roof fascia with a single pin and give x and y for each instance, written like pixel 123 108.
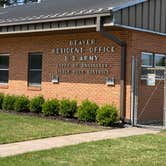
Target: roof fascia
pixel 58 19
pixel 54 29
pixel 138 29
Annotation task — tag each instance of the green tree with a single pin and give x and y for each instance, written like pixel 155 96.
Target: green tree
pixel 4 2
pixel 14 2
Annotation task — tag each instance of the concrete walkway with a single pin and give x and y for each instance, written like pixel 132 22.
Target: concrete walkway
pixel 55 142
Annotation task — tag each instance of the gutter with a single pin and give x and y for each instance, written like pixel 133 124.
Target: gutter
pixel 67 18
pixel 122 44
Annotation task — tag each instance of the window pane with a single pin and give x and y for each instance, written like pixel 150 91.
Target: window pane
pixel 35 61
pixel 35 69
pixel 4 74
pixel 35 77
pixel 4 62
pixel 147 59
pixel 159 60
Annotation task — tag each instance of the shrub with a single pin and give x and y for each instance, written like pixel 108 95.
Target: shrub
pixel 87 111
pixel 50 107
pixel 107 115
pixel 1 99
pixel 21 104
pixel 8 102
pixel 36 104
pixel 68 108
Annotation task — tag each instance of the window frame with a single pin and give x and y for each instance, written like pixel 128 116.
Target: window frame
pixel 8 55
pixel 34 70
pixel 158 54
pixel 147 53
pixel 160 68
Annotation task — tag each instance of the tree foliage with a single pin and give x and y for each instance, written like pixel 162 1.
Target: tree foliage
pixel 4 2
pixel 14 2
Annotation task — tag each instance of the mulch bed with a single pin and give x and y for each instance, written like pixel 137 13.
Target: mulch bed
pixel 60 118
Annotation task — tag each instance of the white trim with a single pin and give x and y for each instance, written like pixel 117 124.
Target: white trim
pixel 139 29
pixel 148 53
pixel 4 54
pixel 4 83
pixel 34 85
pixel 158 54
pixel 4 69
pixel 69 18
pixel 47 30
pixel 54 29
pixel 158 79
pixel 31 70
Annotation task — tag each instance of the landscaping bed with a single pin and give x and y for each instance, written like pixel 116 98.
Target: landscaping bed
pixel 23 119
pixel 116 125
pixel 87 111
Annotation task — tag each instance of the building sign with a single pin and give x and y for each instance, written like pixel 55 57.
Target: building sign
pixel 83 57
pixel 151 80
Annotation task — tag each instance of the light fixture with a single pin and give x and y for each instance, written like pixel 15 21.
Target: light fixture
pixel 110 81
pixel 55 80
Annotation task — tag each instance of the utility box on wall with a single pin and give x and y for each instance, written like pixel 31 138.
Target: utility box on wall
pixel 151 80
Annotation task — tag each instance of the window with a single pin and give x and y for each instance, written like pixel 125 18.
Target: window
pixel 35 69
pixel 160 60
pixel 153 64
pixel 4 68
pixel 147 59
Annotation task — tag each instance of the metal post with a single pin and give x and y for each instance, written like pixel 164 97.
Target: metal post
pixel 136 94
pixel 164 114
pixel 133 91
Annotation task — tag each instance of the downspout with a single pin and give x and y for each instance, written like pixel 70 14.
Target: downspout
pixel 122 44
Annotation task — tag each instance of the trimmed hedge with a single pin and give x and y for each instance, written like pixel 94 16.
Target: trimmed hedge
pixel 8 102
pixel 21 104
pixel 50 107
pixel 1 99
pixel 107 115
pixel 87 111
pixel 36 104
pixel 68 108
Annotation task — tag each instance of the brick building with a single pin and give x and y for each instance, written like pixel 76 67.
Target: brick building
pixel 108 51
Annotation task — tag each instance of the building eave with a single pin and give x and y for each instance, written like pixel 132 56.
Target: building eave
pixel 138 29
pixel 57 19
pixel 55 29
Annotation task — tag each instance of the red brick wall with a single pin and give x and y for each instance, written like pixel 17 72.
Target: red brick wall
pixel 77 87
pixel 85 86
pixel 151 99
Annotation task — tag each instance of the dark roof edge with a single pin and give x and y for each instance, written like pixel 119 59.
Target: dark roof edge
pixel 127 5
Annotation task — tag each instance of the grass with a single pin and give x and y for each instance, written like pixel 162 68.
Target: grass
pixel 147 150
pixel 15 128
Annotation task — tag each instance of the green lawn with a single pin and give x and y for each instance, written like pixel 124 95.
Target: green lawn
pixel 14 128
pixel 147 150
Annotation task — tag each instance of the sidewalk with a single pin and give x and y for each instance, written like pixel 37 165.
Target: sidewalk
pixel 55 142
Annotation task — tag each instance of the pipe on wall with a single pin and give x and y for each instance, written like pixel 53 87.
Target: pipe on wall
pixel 122 44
